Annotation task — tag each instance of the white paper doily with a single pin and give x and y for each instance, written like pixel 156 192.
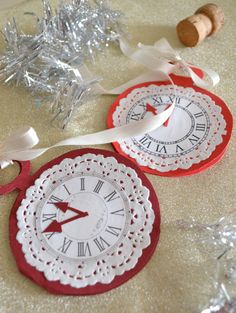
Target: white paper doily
pixel 118 254
pixel 193 132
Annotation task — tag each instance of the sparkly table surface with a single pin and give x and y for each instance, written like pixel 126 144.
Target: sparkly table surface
pixel 174 280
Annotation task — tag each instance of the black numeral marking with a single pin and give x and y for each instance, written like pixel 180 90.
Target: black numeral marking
pixel 112 196
pixel 194 139
pixel 197 115
pixel 171 99
pixel 49 217
pixel 49 235
pixel 178 148
pixel 143 105
pixel 119 212
pixel 101 243
pixel 54 199
pixel 98 186
pixel 82 184
pixel 83 249
pixel 177 100
pixel 161 149
pixel 145 141
pixel 191 102
pixel 201 127
pixel 113 230
pixel 135 116
pixel 65 246
pixel 67 190
pixel 157 100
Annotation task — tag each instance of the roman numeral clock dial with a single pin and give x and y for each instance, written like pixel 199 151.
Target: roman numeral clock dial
pixel 88 219
pixel 83 223
pixel 193 138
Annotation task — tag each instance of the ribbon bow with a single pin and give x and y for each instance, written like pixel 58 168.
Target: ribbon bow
pixel 160 59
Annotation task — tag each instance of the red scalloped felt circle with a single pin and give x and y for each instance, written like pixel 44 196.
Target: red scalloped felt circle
pixel 56 287
pixel 215 157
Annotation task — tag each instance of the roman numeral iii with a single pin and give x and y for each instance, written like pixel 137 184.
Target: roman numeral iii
pixel 201 127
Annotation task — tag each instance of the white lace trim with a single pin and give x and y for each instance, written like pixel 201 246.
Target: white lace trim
pixel 103 269
pixel 183 161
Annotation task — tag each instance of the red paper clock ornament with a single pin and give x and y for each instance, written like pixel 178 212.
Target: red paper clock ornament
pixel 194 138
pixel 84 223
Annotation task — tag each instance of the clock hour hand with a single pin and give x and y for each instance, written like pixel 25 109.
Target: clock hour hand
pixel 64 206
pixel 56 227
pixel 150 108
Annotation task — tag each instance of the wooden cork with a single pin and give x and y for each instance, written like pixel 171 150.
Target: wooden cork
pixel 206 21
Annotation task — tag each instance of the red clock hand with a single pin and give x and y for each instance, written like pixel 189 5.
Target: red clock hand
pixel 64 206
pixel 150 108
pixel 57 226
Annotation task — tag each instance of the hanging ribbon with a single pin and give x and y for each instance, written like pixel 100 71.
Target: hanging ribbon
pixel 161 60
pixel 25 152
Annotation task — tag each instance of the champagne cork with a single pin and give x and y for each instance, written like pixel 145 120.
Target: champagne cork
pixel 206 21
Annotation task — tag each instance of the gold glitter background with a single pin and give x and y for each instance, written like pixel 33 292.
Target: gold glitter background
pixel 174 281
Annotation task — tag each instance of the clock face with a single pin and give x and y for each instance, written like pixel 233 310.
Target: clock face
pixel 83 217
pixel 87 222
pixel 194 136
pixel 186 129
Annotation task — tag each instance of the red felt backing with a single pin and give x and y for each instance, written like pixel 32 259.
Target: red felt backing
pixel 56 287
pixel 19 181
pixel 215 157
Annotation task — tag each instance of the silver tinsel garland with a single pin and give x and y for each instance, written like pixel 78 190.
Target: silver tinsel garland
pixel 220 240
pixel 221 303
pixel 49 62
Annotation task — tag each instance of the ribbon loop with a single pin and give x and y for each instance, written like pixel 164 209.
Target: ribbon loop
pixel 160 59
pixel 24 139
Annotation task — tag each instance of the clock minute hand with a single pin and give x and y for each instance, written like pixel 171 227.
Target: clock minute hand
pixel 150 108
pixel 56 227
pixel 73 218
pixel 64 206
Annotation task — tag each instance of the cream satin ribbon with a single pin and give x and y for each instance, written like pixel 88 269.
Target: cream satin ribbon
pixel 156 59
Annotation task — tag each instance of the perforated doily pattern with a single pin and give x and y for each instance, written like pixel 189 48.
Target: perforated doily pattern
pixel 102 269
pixel 201 151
